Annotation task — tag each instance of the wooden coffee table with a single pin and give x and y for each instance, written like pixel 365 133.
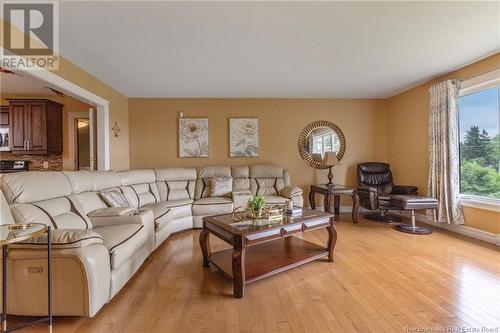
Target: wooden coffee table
pixel 261 251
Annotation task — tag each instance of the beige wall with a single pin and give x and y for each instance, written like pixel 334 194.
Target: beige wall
pixel 70 105
pixel 118 107
pixel 408 140
pixel 154 132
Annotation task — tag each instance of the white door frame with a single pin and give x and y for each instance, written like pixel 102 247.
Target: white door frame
pixel 71 89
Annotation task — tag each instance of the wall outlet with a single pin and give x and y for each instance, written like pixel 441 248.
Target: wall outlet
pixel 45 165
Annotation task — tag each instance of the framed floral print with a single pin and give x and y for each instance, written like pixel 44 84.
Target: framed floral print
pixel 243 137
pixel 193 137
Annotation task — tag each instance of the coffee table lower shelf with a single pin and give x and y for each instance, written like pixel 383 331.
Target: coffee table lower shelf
pixel 266 259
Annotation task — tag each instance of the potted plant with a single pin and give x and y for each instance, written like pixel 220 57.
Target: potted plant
pixel 256 205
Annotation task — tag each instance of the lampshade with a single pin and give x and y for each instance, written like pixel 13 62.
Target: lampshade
pixel 331 159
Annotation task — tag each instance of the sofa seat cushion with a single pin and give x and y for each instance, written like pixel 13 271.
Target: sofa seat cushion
pixel 275 200
pixel 122 241
pixel 212 206
pixel 177 209
pixel 159 209
pixel 166 211
pixel 163 207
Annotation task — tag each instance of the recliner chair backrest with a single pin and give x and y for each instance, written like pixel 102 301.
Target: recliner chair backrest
pixel 86 186
pixel 43 197
pixel 377 175
pixel 241 178
pixel 175 183
pixel 268 180
pixel 139 187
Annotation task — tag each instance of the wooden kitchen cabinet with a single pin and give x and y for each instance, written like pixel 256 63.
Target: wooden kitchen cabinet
pixel 4 116
pixel 35 126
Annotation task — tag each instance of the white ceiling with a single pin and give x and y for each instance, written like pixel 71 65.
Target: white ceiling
pixel 11 84
pixel 274 49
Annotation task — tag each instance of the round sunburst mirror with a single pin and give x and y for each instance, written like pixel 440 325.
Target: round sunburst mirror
pixel 318 138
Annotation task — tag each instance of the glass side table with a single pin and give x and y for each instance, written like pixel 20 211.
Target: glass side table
pixel 14 233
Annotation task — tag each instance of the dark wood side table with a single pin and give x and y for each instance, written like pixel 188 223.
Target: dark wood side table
pixel 335 192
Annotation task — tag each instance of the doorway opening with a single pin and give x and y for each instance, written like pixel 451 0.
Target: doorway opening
pixel 82 160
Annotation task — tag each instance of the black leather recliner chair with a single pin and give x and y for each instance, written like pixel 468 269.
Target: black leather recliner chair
pixel 375 190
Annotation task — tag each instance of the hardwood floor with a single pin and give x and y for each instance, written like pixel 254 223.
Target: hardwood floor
pixel 381 281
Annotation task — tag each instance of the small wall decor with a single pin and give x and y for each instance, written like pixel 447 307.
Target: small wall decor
pixel 116 129
pixel 193 137
pixel 243 137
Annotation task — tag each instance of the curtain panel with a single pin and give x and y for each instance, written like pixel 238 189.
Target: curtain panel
pixel 444 151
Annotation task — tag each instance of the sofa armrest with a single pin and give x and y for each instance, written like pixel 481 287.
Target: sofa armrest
pixel 112 211
pixel 404 189
pixel 132 218
pixel 62 239
pixel 290 191
pixel 80 278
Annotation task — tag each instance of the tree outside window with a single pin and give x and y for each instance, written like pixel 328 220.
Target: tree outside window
pixel 480 143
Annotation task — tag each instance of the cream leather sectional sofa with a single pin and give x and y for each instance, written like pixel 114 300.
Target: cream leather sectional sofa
pixel 97 248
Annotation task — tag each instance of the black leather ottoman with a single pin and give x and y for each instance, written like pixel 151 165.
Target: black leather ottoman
pixel 412 203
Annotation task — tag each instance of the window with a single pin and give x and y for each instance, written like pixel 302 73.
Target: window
pixel 325 142
pixel 479 121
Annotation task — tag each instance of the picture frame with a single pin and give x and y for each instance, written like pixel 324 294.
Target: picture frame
pixel 194 137
pixel 244 137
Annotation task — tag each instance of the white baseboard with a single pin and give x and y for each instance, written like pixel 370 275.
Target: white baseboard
pixel 460 229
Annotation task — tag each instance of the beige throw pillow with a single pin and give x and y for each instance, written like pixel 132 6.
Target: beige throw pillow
pixel 115 198
pixel 221 187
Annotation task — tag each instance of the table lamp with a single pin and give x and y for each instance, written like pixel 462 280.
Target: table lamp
pixel 330 160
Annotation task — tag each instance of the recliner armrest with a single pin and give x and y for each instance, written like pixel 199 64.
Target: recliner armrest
pixel 112 211
pixel 134 218
pixel 62 239
pixel 367 189
pixel 291 191
pixel 368 197
pixel 404 189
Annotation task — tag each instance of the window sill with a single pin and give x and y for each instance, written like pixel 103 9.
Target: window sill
pixel 480 203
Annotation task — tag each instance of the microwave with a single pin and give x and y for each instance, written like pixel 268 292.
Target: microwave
pixel 4 139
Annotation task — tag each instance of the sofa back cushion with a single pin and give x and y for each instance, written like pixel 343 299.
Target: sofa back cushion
pixel 59 213
pixel 139 187
pixel 205 176
pixel 268 180
pixel 84 181
pixel 89 201
pixel 241 178
pixel 26 187
pixel 86 186
pixel 175 183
